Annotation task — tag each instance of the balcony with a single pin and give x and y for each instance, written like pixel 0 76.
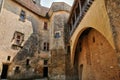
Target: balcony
pixel 79 10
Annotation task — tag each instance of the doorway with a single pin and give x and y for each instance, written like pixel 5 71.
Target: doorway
pixel 4 71
pixel 81 70
pixel 45 72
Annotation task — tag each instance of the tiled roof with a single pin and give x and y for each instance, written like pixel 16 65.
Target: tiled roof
pixel 42 11
pixel 39 10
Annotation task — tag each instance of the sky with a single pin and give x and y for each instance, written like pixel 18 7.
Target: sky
pixel 47 3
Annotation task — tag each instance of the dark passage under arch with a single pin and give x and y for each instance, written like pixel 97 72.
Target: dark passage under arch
pixel 4 71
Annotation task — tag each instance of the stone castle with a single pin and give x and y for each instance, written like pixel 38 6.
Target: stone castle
pixel 61 42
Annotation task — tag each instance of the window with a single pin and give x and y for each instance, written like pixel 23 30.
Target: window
pixel 46 46
pixel 27 62
pixel 93 39
pixel 8 58
pixel 17 69
pixel 45 25
pixel 57 34
pixel 45 62
pixel 22 16
pixel 17 39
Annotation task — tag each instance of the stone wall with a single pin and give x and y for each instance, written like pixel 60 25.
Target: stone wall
pixel 97 58
pixel 37 22
pixel 94 20
pixel 9 25
pixel 57 23
pixel 57 65
pixel 29 51
pixel 32 47
pixel 69 71
pixel 34 37
pixel 113 10
pixel 57 46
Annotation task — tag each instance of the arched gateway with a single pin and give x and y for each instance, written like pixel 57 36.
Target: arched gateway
pixel 94 59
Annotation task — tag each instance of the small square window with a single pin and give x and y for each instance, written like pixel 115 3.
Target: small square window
pixel 57 34
pixel 17 69
pixel 8 58
pixel 22 16
pixel 45 25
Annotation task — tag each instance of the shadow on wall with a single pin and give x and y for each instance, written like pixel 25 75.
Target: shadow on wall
pixel 26 63
pixel 31 46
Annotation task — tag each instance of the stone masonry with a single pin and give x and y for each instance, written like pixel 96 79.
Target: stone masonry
pixel 27 61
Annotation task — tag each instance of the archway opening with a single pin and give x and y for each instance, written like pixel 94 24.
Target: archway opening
pixel 95 54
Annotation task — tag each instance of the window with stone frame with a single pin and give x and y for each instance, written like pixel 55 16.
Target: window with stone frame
pixel 22 16
pixel 45 62
pixel 1 2
pixel 17 40
pixel 45 25
pixel 46 46
pixel 57 34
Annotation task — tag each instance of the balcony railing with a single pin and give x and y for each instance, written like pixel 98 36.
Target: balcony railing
pixel 80 16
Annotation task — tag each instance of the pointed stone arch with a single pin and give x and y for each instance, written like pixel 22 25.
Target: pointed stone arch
pixel 84 30
pixel 96 55
pixel 96 18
